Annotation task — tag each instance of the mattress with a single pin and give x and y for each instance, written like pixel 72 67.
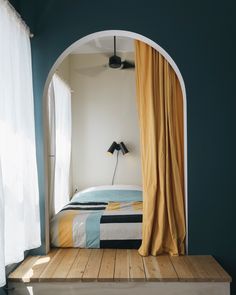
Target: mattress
pixel 100 217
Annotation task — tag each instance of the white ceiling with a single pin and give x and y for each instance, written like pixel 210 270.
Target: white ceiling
pixel 106 45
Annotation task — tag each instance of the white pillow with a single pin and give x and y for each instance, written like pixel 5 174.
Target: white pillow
pixel 113 187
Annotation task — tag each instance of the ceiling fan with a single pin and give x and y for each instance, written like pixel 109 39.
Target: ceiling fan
pixel 115 61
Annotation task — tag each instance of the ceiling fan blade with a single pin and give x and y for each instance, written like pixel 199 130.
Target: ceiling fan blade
pixel 127 65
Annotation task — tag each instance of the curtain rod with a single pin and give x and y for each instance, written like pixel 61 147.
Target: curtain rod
pixel 20 18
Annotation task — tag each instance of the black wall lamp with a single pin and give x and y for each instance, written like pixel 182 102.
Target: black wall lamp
pixel 118 147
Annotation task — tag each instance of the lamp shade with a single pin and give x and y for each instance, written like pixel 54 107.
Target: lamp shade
pixel 112 148
pixel 123 148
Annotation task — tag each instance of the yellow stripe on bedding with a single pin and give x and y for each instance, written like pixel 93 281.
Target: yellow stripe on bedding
pixel 137 206
pixel 113 206
pixel 65 228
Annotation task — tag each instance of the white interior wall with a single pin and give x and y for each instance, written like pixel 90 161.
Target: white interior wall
pixel 103 110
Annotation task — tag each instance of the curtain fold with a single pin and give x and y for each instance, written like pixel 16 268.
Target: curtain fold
pixel 19 195
pixel 60 143
pixel 2 233
pixel 160 107
pixel 51 147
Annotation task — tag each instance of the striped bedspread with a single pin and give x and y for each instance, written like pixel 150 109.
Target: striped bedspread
pixel 98 225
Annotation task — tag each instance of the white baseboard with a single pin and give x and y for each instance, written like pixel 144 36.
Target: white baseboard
pixel 120 288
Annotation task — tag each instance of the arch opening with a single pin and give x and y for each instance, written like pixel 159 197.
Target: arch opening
pixel 69 50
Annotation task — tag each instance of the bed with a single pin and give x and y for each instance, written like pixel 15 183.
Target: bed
pixel 100 217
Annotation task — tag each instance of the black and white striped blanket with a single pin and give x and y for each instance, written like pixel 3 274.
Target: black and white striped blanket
pixel 98 225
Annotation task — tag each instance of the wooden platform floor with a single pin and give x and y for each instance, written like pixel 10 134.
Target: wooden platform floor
pixel 110 265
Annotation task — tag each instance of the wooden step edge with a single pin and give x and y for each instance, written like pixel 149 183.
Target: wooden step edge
pixel 225 276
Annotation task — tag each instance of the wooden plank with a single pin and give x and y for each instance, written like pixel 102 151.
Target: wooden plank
pixel 77 270
pixel 106 272
pixel 117 265
pixel 66 263
pixel 160 269
pixel 136 268
pixel 225 276
pixel 208 270
pixel 24 271
pixel 183 268
pixel 198 268
pixel 48 272
pixel 41 264
pixel 93 266
pixel 121 266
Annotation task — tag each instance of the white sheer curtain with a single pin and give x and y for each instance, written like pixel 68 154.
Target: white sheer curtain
pixel 51 147
pixel 2 216
pixel 60 143
pixel 19 196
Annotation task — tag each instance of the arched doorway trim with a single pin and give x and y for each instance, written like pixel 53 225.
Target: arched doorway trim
pixel 68 51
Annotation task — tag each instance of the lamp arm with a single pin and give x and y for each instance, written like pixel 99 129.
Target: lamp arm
pixel 114 173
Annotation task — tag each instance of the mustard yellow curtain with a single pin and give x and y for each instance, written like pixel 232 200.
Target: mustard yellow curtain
pixel 160 107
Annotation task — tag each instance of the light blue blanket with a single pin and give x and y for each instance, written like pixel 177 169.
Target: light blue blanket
pixel 108 196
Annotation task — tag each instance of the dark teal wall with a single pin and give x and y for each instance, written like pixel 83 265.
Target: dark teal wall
pixel 200 37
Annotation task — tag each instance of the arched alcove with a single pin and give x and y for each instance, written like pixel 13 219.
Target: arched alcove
pixel 69 50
